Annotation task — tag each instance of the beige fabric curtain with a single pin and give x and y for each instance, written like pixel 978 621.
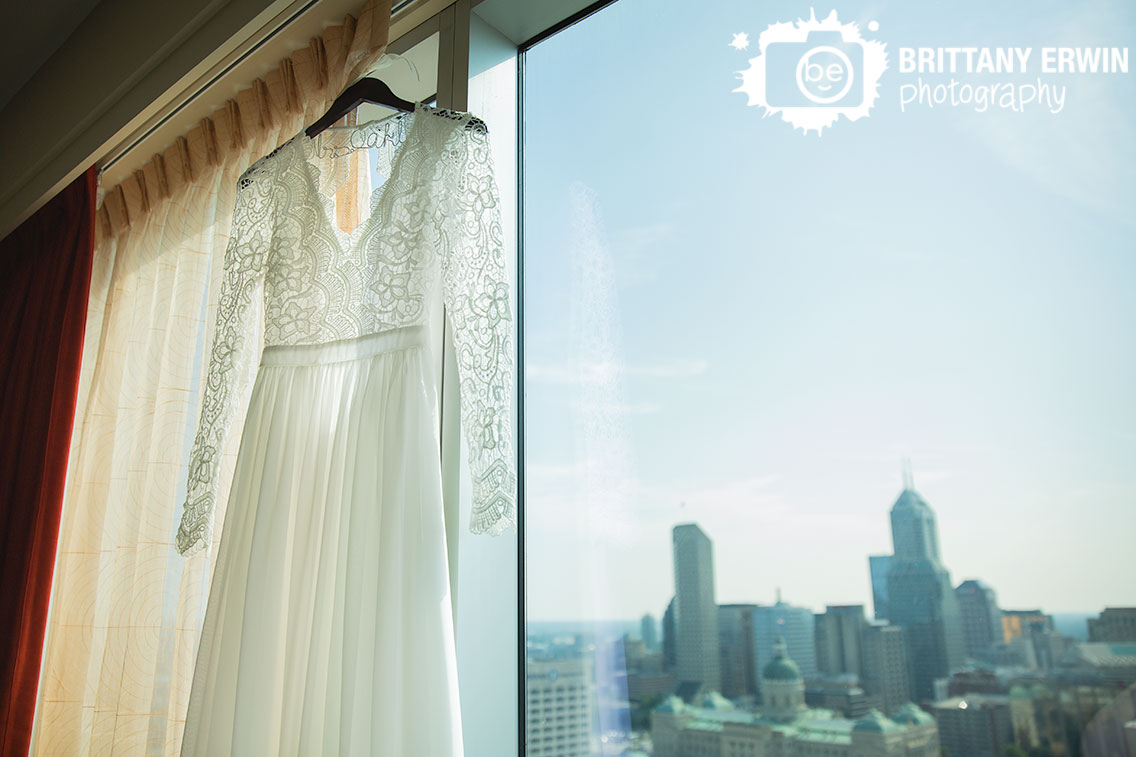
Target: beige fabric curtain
pixel 127 609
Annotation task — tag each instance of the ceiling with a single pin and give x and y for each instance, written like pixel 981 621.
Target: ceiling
pixel 521 20
pixel 43 26
pixel 109 71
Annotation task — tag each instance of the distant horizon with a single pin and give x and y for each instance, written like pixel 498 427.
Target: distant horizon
pixel 631 625
pixel 787 598
pixel 867 614
pixel 866 604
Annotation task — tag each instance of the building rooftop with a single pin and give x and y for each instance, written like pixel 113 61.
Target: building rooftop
pixel 974 582
pixel 876 722
pixel 1029 691
pixel 828 728
pixel 909 499
pixel 970 700
pixel 1102 654
pixel 818 726
pixel 911 714
pixel 781 668
pixel 714 701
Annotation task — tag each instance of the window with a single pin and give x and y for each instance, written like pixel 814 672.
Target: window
pixel 790 400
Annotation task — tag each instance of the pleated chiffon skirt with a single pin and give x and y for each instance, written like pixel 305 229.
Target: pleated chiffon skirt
pixel 328 629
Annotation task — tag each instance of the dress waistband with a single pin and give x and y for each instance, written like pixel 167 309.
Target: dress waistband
pixel 345 350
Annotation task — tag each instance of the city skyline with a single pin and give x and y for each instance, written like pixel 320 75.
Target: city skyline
pixel 848 676
pixel 776 587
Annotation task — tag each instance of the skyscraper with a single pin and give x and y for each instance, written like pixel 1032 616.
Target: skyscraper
pixel 649 632
pixel 1023 624
pixel 670 642
pixel 878 566
pixel 981 617
pixel 875 653
pixel 885 666
pixel 978 725
pixel 738 653
pixel 696 612
pixel 1114 624
pixel 839 631
pixel 796 624
pixel 921 599
pixel 560 714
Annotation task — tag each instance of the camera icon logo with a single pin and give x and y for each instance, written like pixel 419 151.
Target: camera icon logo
pixel 821 71
pixel 813 72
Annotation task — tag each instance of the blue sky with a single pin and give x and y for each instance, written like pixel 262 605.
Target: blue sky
pixel 732 323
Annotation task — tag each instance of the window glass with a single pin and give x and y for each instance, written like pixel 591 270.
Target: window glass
pixel 830 435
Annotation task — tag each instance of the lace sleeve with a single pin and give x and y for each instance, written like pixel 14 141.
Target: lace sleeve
pixel 476 290
pixel 231 359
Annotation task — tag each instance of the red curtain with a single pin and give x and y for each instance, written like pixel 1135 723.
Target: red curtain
pixel 45 277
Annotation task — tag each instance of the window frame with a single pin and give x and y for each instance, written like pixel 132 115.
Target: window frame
pixel 523 48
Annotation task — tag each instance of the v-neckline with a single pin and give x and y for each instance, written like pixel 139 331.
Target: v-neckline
pixel 345 241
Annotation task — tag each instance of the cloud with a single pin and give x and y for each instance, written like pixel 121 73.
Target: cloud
pixel 619 408
pixel 634 239
pixel 897 452
pixel 749 489
pixel 1075 154
pixel 906 255
pixel 1072 158
pixel 609 370
pixel 635 251
pixel 552 470
pixel 673 369
pixel 622 512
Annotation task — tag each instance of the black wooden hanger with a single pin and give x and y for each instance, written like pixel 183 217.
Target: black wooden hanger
pixel 366 90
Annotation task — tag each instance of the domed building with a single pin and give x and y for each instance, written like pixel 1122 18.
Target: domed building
pixel 785 726
pixel 782 686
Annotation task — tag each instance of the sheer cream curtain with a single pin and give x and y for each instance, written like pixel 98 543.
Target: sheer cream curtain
pixel 127 609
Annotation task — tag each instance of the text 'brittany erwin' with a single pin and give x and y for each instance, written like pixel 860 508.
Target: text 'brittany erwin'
pixel 1013 60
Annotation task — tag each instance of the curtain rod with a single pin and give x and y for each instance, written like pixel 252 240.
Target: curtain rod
pixel 397 6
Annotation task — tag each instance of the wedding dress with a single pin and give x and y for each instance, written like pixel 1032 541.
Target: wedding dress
pixel 328 629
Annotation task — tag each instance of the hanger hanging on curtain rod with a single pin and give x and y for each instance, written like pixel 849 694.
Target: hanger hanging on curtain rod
pixel 367 90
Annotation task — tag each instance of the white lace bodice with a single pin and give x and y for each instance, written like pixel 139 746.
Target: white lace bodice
pixel 293 277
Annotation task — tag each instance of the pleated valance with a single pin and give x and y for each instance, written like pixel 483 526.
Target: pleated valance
pixel 306 81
